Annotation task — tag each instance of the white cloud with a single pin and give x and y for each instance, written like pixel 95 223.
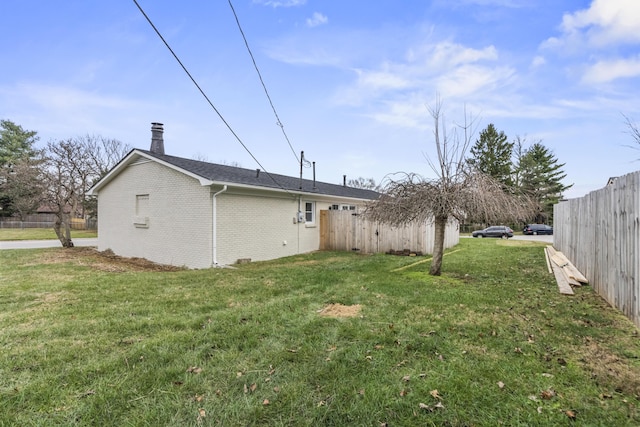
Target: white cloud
pixel 604 23
pixel 606 71
pixel 317 19
pixel 454 70
pixel 280 3
pixel 538 61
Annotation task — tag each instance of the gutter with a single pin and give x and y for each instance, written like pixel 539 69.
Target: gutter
pixel 214 254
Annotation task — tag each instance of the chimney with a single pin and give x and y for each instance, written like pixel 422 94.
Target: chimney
pixel 157 142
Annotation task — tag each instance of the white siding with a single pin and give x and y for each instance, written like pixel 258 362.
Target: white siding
pixel 261 226
pixel 178 231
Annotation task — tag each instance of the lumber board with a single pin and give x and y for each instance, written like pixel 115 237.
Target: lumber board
pixel 546 258
pixel 563 284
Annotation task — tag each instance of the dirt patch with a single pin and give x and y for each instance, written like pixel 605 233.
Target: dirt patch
pixel 610 370
pixel 339 310
pixel 103 261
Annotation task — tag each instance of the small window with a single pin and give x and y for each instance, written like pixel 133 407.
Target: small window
pixel 142 205
pixel 310 212
pixel 141 217
pixel 348 207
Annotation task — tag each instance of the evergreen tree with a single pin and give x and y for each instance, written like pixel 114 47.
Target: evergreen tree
pixel 16 148
pixel 541 177
pixel 491 154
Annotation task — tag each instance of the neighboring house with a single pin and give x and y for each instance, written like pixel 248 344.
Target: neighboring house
pixel 184 212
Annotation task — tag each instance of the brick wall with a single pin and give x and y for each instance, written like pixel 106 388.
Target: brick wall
pixel 179 216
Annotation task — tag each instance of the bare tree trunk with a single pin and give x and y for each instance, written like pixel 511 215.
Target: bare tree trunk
pixel 438 245
pixel 63 230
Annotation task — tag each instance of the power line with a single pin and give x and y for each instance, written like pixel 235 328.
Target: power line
pixel 206 97
pixel 255 65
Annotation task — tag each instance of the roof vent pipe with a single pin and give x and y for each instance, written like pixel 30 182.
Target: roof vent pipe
pixel 314 175
pixel 344 180
pixel 257 173
pixel 157 141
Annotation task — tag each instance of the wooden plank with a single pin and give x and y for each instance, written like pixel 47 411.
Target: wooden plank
pixel 546 258
pixel 563 286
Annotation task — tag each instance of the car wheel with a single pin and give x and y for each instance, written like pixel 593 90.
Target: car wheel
pixel 535 233
pixel 504 236
pixel 481 235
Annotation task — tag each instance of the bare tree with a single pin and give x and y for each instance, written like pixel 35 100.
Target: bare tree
pixel 457 191
pixel 364 183
pixel 634 130
pixel 72 166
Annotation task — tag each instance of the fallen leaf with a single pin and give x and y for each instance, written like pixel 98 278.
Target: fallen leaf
pixel 218 392
pixel 198 398
pixel 238 374
pixel 401 363
pixel 202 413
pixel 425 406
pixel 265 402
pixel 253 387
pixel 547 394
pixel 571 415
pixel 276 389
pixel 435 394
pixel 378 347
pixel 245 389
pixel 292 350
pixel 439 405
pixel 500 384
pixel 403 392
pixel 361 392
pixel 368 357
pixel 518 350
pixel 539 409
pixel 547 375
pixel 272 370
pixel 606 396
pixel 194 370
pixel 406 378
pixel 332 348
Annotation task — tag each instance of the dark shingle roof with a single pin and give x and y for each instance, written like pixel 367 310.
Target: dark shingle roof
pixel 234 175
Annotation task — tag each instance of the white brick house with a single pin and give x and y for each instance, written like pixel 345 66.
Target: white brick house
pixel 190 213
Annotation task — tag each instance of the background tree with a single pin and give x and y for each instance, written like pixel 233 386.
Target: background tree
pixel 491 154
pixel 634 130
pixel 364 183
pixel 457 191
pixel 71 167
pixel 541 178
pixel 23 186
pixel 16 146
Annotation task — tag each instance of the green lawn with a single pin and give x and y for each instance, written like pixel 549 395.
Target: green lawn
pixel 40 234
pixel 91 340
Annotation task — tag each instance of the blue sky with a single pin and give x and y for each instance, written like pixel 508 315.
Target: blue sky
pixel 350 80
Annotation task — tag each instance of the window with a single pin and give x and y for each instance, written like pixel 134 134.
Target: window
pixel 141 218
pixel 348 207
pixel 142 205
pixel 310 212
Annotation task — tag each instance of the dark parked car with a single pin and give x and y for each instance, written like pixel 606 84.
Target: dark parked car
pixel 494 231
pixel 536 229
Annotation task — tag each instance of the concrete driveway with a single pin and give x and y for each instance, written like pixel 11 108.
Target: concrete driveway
pixel 36 244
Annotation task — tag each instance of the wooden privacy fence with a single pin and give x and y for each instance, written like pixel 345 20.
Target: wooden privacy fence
pixel 600 234
pixel 346 231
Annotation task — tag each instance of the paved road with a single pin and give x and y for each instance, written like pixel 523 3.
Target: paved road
pixel 545 238
pixel 35 244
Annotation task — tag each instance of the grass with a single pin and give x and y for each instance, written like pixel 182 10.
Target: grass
pixel 93 340
pixel 40 234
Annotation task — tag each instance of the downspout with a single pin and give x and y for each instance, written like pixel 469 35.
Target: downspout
pixel 214 255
